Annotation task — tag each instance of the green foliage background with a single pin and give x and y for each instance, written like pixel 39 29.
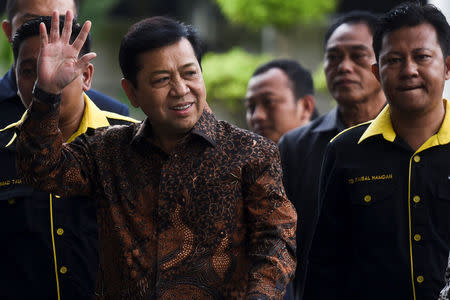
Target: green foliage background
pixel 226 76
pixel 282 14
pixel 6 57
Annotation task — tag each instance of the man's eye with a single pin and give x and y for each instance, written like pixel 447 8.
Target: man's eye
pixel 27 72
pixel 393 60
pixel 422 57
pixel 160 81
pixel 190 73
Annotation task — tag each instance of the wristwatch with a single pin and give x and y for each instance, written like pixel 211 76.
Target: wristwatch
pixel 47 98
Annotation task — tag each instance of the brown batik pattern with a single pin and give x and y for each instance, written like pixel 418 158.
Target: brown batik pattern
pixel 445 293
pixel 208 221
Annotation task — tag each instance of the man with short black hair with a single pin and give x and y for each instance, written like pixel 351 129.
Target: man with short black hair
pixel 280 97
pixel 51 243
pixel 18 12
pixel 194 208
pixel 384 231
pixel 348 70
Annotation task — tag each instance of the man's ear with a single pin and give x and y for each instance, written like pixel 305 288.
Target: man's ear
pixel 447 68
pixel 376 71
pixel 86 76
pixel 7 30
pixel 305 108
pixel 130 90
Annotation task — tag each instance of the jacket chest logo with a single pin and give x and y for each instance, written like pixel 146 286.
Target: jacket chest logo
pixel 378 177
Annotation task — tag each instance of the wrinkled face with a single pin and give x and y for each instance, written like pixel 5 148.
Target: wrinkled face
pixel 348 64
pixel 412 69
pixel 30 9
pixel 170 89
pixel 272 109
pixel 26 73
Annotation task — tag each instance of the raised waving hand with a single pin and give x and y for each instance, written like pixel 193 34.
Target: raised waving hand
pixel 58 63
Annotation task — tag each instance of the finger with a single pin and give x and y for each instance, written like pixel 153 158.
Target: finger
pixel 67 29
pixel 85 59
pixel 81 38
pixel 43 35
pixel 54 31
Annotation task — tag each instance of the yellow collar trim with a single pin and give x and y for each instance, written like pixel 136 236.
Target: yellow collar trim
pixel 442 137
pixel 93 117
pixel 383 125
pixel 380 125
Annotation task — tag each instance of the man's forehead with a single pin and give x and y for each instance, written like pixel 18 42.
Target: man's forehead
pixel 350 35
pixel 418 36
pixel 29 9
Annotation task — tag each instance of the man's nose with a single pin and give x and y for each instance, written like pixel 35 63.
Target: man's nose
pixel 345 65
pixel 179 88
pixel 409 68
pixel 259 113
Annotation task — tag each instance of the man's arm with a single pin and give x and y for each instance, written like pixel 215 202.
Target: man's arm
pixel 445 293
pixel 272 224
pixel 327 255
pixel 40 158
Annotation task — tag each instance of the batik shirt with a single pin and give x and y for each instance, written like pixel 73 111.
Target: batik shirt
pixel 209 220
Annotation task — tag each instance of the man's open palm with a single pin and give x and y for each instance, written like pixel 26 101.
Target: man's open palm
pixel 58 63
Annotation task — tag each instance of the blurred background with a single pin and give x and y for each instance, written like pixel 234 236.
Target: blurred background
pixel 239 35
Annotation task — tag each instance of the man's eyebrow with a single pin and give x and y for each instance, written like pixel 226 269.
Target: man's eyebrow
pixel 167 71
pixel 187 65
pixel 353 47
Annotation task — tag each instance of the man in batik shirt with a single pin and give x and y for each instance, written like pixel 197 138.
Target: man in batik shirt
pixel 189 207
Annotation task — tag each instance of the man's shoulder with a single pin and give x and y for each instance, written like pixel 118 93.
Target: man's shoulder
pixel 108 103
pixel 114 134
pixel 118 119
pixel 307 134
pixel 8 87
pixel 350 136
pixel 242 136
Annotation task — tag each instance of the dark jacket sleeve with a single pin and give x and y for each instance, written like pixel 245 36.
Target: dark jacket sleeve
pixel 272 222
pixel 44 162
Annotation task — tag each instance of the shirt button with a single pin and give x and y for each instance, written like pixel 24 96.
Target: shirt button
pixel 416 199
pixel 417 158
pixel 176 155
pixel 60 231
pixel 12 201
pixel 63 270
pixel 420 279
pixel 57 196
pixel 367 198
pixel 183 199
pixel 417 237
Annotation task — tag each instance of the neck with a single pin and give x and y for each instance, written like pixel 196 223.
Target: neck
pixel 167 142
pixel 69 124
pixel 416 129
pixel 354 114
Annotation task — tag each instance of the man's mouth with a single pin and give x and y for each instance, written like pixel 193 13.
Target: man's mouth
pixel 345 82
pixel 409 88
pixel 182 107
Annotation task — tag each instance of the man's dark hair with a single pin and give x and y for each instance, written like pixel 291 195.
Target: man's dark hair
pixel 150 34
pixel 12 9
pixel 300 78
pixel 31 29
pixel 353 17
pixel 410 14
